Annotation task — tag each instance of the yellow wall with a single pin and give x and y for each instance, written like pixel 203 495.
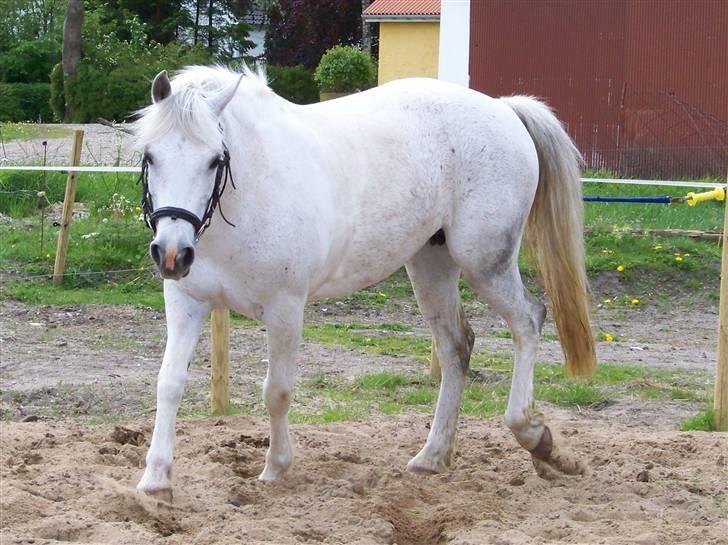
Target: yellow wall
pixel 408 49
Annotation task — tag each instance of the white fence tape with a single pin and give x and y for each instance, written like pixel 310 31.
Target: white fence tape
pixel 136 170
pixel 73 169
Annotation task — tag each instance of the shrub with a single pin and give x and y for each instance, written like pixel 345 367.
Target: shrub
pixel 115 75
pixel 294 83
pixel 345 68
pixel 24 102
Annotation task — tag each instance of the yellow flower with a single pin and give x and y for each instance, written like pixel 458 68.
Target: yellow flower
pixel 608 338
pixel 658 247
pixel 41 194
pixel 678 259
pixel 607 301
pixel 635 301
pixel 620 268
pixel 686 255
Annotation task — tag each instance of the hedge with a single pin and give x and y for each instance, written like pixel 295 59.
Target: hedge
pixel 25 102
pixel 294 83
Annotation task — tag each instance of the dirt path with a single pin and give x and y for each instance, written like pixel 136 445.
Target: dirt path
pixel 101 146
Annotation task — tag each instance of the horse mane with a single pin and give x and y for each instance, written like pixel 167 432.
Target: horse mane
pixel 187 108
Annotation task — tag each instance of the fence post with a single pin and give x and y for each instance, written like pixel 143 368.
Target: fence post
pixel 435 371
pixel 720 401
pixel 67 215
pixel 220 381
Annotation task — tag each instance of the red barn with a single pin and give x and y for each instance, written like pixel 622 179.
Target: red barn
pixel 642 85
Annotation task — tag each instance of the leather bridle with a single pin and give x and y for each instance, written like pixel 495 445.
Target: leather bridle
pixel 152 216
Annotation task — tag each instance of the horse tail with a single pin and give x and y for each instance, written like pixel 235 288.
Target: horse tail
pixel 555 232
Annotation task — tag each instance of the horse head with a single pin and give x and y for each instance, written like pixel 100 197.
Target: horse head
pixel 185 167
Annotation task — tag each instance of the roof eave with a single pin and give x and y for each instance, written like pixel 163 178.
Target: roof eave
pixel 400 18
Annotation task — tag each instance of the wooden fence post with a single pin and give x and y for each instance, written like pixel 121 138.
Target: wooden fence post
pixel 220 380
pixel 720 401
pixel 67 215
pixel 435 371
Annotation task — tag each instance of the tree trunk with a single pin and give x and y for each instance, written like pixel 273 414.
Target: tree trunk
pixel 71 46
pixel 210 12
pixel 366 31
pixel 197 20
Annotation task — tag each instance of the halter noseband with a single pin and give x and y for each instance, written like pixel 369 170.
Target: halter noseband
pixel 152 216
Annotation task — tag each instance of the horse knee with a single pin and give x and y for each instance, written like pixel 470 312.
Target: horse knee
pixel 277 397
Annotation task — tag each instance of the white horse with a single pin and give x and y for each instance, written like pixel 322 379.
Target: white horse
pixel 333 197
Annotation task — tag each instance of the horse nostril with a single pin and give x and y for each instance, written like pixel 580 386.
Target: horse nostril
pixel 155 250
pixel 185 257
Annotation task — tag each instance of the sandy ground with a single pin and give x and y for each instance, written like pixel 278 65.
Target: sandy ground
pixel 65 482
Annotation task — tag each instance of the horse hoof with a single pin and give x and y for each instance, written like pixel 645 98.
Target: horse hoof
pixel 418 469
pixel 559 463
pixel 270 474
pixel 421 465
pixel 162 494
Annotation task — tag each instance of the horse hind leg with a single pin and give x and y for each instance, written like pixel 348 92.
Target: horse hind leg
pixel 434 277
pixel 504 291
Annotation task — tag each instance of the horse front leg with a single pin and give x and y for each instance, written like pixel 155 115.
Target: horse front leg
pixel 184 321
pixel 284 322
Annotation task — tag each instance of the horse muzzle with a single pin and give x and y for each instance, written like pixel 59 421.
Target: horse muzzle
pixel 173 262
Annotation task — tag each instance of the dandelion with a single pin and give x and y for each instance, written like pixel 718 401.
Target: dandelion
pixel 635 302
pixel 608 338
pixel 658 248
pixel 607 301
pixel 620 268
pixel 678 259
pixel 41 194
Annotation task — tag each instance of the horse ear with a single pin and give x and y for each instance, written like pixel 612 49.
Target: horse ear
pixel 219 101
pixel 161 87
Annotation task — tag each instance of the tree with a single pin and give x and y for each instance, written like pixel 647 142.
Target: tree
pixel 72 26
pixel 301 31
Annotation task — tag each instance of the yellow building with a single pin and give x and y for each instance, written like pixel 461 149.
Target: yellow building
pixel 409 37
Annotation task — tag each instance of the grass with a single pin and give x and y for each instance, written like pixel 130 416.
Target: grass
pixel 370 338
pixel 703 421
pixel 116 240
pixel 329 398
pixel 32 131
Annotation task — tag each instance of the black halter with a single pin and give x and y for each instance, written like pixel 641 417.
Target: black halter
pixel 151 216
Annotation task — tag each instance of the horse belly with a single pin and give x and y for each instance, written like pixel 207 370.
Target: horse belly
pixel 381 241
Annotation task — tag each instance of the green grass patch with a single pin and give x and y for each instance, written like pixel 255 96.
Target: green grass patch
pixel 487 391
pixel 368 338
pixel 704 421
pixel 32 131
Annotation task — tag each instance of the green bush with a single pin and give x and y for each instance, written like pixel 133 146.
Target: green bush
pixel 24 102
pixel 115 75
pixel 345 68
pixel 294 83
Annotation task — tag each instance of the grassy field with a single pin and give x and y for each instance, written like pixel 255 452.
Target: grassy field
pixel 31 131
pixel 112 238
